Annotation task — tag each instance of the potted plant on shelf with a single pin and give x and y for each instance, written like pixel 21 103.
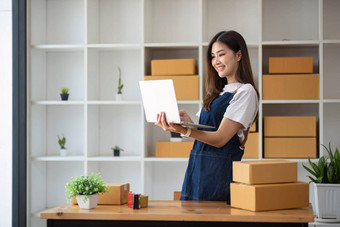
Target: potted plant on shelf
pixel 64 94
pixel 86 189
pixel 325 176
pixel 116 150
pixel 120 86
pixel 62 142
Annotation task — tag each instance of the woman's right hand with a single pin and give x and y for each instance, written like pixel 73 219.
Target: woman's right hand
pixel 184 116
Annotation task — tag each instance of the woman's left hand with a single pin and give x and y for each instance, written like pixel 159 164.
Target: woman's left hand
pixel 161 122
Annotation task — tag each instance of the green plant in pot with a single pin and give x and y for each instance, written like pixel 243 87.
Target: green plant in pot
pixel 64 94
pixel 120 86
pixel 62 142
pixel 325 176
pixel 86 189
pixel 116 150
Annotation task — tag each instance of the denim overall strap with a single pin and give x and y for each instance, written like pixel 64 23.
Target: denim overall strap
pixel 209 171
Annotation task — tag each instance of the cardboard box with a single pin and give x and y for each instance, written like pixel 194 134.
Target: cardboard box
pixel 265 171
pixel 177 195
pixel 173 67
pixel 117 195
pixel 251 149
pixel 253 127
pixel 290 147
pixel 269 196
pixel 173 149
pixel 143 201
pixel 186 87
pixel 303 86
pixel 291 65
pixel 291 126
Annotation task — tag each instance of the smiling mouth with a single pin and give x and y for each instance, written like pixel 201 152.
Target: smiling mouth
pixel 220 68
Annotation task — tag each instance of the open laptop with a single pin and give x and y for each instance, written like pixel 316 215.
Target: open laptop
pixel 159 96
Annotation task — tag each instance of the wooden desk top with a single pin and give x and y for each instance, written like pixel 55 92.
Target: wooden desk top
pixel 179 211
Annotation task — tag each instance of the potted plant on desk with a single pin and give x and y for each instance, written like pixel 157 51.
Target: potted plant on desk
pixel 326 183
pixel 86 189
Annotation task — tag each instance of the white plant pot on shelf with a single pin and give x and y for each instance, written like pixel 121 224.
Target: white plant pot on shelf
pixel 119 97
pixel 327 202
pixel 63 152
pixel 87 203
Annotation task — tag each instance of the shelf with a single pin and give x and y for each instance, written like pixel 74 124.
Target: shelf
pixel 115 159
pixel 58 102
pixel 293 43
pixel 189 102
pixel 249 44
pixel 135 102
pixel 331 41
pixel 59 47
pixel 331 101
pixel 118 46
pixel 172 45
pixel 155 159
pixel 58 158
pixel 288 101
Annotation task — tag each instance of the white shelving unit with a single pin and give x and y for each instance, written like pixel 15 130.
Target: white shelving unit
pixel 80 43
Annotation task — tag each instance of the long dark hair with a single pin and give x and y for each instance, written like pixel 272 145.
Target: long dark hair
pixel 215 84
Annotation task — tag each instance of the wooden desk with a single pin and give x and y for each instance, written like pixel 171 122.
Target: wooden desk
pixel 174 213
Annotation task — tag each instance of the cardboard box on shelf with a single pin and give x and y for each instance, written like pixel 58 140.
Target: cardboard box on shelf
pixel 298 147
pixel 117 195
pixel 186 87
pixel 177 195
pixel 173 149
pixel 265 171
pixel 290 65
pixel 269 196
pixel 173 67
pixel 292 126
pixel 297 86
pixel 251 149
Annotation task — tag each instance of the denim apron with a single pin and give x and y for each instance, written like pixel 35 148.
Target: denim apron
pixel 209 170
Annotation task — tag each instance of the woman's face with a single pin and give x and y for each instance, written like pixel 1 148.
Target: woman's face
pixel 224 60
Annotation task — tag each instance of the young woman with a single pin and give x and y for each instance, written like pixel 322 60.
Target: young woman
pixel 231 106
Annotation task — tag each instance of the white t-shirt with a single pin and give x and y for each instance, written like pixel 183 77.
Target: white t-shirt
pixel 242 108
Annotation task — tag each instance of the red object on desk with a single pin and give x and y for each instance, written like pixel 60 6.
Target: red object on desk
pixel 130 199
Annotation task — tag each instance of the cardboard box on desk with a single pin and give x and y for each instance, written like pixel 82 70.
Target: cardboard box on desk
pixel 290 126
pixel 290 65
pixel 117 195
pixel 298 147
pixel 186 87
pixel 251 149
pixel 297 86
pixel 173 149
pixel 173 67
pixel 269 196
pixel 265 171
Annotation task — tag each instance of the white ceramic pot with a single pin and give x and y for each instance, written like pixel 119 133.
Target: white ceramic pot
pixel 85 202
pixel 119 97
pixel 327 202
pixel 63 152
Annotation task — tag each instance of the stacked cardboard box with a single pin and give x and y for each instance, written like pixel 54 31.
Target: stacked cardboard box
pixel 291 78
pixel 183 72
pixel 173 149
pixel 267 185
pixel 290 137
pixel 251 149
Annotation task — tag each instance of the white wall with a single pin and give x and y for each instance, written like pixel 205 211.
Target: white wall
pixel 6 113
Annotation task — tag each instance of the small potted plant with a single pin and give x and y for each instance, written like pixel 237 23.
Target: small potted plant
pixel 62 142
pixel 116 150
pixel 86 189
pixel 64 94
pixel 120 86
pixel 325 175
